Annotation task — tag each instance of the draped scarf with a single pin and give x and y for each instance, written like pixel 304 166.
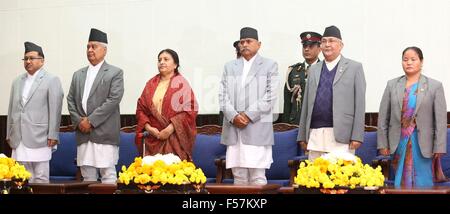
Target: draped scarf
pixel 179 107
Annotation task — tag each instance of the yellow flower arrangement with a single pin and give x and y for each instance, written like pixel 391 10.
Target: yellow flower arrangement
pixel 10 169
pixel 160 171
pixel 330 172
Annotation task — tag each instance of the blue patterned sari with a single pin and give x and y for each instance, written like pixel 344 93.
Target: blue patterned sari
pixel 411 168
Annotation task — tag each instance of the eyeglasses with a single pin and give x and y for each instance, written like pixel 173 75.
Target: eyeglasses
pixel 31 58
pixel 331 41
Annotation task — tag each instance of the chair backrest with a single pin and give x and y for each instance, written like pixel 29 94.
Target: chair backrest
pixel 207 148
pixel 284 149
pixel 445 159
pixel 127 148
pixel 62 164
pixel 368 149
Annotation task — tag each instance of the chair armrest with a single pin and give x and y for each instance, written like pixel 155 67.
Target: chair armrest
pixel 78 176
pixel 220 166
pixel 300 158
pixel 294 164
pixel 383 157
pixel 222 171
pixel 384 162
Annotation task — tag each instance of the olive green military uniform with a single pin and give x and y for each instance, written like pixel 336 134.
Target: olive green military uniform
pixel 293 92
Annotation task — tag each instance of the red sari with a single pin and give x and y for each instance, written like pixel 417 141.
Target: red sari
pixel 179 107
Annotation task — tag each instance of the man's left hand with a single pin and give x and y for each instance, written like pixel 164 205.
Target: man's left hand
pixel 303 145
pixel 51 143
pixel 354 144
pixel 85 125
pixel 247 119
pixel 240 121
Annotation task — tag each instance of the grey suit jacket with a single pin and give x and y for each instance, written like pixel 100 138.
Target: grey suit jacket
pixel 430 115
pixel 102 105
pixel 256 99
pixel 37 120
pixel 349 103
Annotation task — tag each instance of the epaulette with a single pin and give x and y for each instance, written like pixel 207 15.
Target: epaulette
pixel 296 64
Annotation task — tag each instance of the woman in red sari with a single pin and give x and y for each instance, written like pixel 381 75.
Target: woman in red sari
pixel 167 110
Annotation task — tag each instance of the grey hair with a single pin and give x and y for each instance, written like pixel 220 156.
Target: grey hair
pixel 103 44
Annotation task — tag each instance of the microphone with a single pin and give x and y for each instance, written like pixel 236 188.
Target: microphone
pixel 145 134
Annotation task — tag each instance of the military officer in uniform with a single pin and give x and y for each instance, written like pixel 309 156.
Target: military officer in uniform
pixel 237 45
pixel 296 77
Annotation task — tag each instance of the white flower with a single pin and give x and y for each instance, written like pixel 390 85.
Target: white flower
pixel 2 155
pixel 167 158
pixel 334 156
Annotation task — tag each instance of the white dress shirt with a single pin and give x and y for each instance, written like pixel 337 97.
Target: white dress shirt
pixel 90 77
pixel 91 153
pixel 332 64
pixel 244 155
pixel 23 153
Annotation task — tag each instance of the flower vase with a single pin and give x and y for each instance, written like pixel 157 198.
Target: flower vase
pixel 5 186
pixel 158 188
pixel 19 186
pixel 337 190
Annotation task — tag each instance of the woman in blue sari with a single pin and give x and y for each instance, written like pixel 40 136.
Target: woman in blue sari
pixel 412 124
